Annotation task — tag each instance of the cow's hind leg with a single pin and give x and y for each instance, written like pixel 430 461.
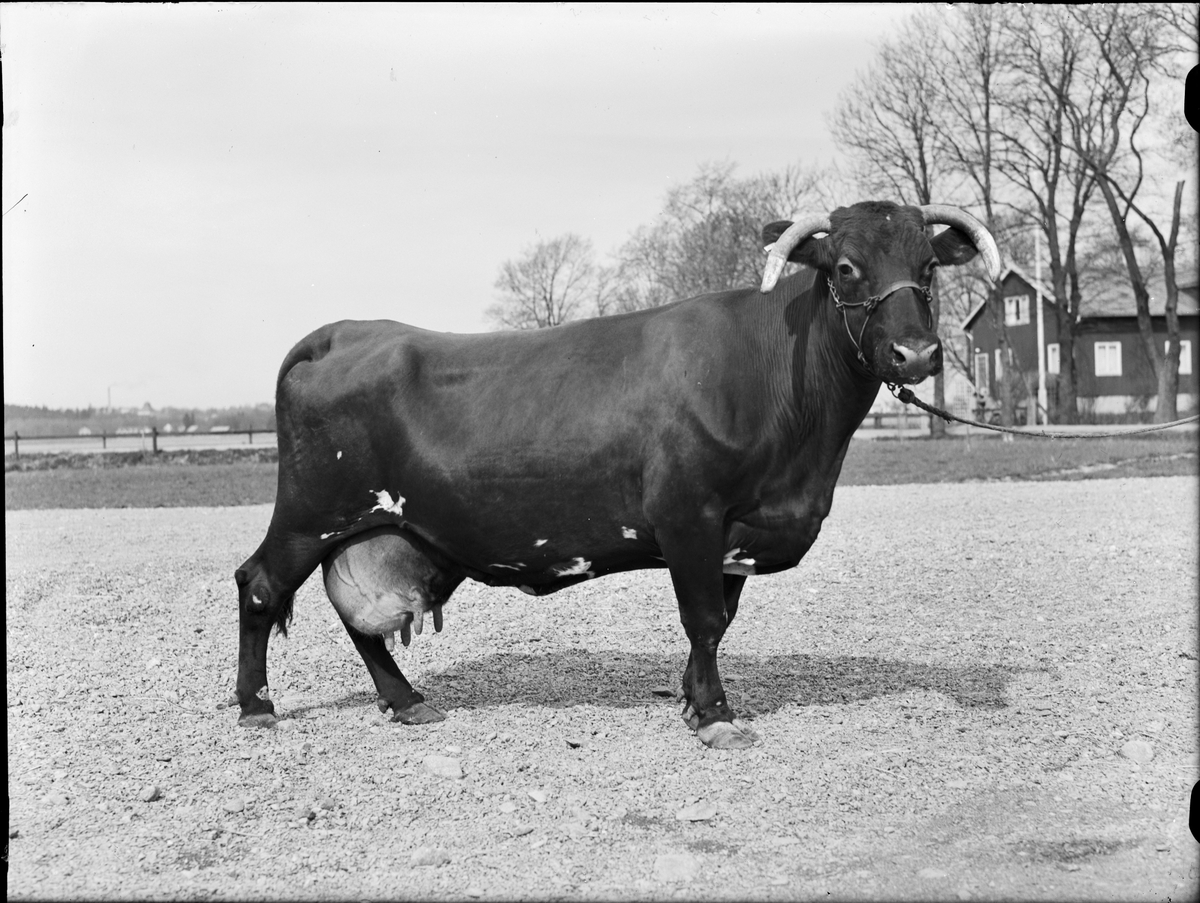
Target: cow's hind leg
pixel 382 581
pixel 395 692
pixel 267 583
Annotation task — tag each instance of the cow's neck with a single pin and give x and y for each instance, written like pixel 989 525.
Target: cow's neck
pixel 830 393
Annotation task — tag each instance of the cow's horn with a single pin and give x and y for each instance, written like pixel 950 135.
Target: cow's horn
pixel 786 243
pixel 944 215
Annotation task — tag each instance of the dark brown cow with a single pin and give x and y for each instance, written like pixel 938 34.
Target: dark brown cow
pixel 704 436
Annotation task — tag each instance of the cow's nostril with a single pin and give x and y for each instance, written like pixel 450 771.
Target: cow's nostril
pixel 903 356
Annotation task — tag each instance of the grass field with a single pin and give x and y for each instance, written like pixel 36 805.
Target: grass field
pixel 237 477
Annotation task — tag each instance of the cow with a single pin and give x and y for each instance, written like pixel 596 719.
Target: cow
pixel 704 436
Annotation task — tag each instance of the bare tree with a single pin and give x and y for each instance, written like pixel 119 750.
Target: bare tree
pixel 548 286
pixel 1130 45
pixel 1046 53
pixel 969 74
pixel 707 236
pixel 886 121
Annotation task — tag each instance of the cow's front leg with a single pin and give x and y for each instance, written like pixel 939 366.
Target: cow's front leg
pixel 707 602
pixel 395 692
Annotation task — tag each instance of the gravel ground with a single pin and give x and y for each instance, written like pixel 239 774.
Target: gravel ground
pixel 947 690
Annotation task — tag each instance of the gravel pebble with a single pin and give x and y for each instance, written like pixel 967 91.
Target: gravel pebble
pixel 1137 751
pixel 234 804
pixel 931 874
pixel 443 766
pixel 701 811
pixel 671 867
pixel 429 856
pixel 149 794
pixel 538 796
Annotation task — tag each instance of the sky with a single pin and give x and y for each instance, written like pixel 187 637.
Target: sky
pixel 205 184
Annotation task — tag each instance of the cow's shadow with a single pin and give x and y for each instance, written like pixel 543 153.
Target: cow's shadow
pixel 756 684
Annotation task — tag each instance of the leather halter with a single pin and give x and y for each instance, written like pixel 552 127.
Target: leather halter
pixel 871 304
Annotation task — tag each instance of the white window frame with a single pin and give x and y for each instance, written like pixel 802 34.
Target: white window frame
pixel 1185 355
pixel 1053 365
pixel 982 382
pixel 1016 310
pixel 999 365
pixel 1107 358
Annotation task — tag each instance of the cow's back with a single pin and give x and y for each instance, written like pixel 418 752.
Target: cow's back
pixel 583 382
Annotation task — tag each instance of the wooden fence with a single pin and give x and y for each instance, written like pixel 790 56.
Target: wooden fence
pixel 119 441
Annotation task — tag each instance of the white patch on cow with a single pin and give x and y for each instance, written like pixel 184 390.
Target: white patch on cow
pixel 339 456
pixel 541 542
pixel 384 502
pixel 327 535
pixel 511 567
pixel 629 532
pixel 733 565
pixel 574 569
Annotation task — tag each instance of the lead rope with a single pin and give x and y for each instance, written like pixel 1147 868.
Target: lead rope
pixel 906 395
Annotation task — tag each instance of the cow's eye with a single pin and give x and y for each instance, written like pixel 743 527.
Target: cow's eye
pixel 929 268
pixel 846 269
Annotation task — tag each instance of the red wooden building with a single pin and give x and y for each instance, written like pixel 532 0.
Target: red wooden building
pixel 1113 372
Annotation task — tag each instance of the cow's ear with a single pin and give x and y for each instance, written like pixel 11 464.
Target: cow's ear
pixel 772 231
pixel 812 251
pixel 816 253
pixel 953 247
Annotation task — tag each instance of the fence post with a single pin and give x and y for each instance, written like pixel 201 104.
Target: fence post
pixel 154 438
pixel 16 444
pixel 104 438
pixel 250 433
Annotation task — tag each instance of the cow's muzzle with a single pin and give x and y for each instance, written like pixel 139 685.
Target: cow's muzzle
pixel 914 360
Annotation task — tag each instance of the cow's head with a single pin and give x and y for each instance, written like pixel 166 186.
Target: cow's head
pixel 879 265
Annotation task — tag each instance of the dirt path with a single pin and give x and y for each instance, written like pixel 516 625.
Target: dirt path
pixel 942 687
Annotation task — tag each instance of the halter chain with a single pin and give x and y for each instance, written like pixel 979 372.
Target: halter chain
pixel 870 304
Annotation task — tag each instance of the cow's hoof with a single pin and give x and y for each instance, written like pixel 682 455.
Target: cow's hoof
pixel 689 716
pixel 258 719
pixel 727 735
pixel 420 713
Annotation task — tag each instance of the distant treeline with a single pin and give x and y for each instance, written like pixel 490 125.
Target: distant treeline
pixel 34 421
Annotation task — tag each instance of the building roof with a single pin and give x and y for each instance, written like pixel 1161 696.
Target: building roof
pixel 1113 298
pixel 1047 294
